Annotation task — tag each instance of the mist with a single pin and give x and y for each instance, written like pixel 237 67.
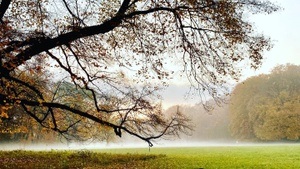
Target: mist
pixel 210 129
pixel 126 144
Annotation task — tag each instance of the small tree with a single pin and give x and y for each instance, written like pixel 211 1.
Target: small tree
pixel 123 49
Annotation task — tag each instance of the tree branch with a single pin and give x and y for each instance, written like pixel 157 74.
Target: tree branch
pixel 4 99
pixel 3 8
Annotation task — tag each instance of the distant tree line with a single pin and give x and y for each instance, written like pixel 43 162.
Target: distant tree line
pixel 261 108
pixel 208 125
pixel 267 107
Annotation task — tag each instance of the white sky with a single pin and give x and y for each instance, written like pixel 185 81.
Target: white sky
pixel 283 27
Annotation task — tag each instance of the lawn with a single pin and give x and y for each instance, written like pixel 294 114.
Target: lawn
pixel 275 156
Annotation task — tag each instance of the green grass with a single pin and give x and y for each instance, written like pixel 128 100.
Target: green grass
pixel 224 157
pixel 285 156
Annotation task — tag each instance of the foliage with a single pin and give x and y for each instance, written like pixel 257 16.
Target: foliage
pixel 165 158
pixel 122 49
pixel 15 124
pixel 80 99
pixel 267 107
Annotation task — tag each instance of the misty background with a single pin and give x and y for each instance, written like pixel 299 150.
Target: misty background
pixel 212 126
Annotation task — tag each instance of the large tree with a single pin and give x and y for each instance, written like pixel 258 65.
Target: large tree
pixel 267 107
pixel 122 52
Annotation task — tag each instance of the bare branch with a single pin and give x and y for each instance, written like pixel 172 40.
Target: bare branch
pixel 3 8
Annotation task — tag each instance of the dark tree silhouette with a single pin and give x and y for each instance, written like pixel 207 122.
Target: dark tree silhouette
pixel 117 52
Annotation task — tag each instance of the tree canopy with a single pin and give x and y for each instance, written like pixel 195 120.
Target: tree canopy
pixel 267 107
pixel 119 53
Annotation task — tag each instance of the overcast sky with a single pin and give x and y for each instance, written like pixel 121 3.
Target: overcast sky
pixel 282 27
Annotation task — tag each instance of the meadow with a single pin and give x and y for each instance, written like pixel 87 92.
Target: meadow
pixel 262 156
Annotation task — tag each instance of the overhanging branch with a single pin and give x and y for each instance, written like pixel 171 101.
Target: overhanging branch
pixel 3 8
pixel 63 39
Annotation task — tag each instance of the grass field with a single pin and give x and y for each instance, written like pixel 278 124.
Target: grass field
pixel 279 156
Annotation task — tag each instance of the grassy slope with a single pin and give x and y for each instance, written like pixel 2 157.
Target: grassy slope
pixel 194 157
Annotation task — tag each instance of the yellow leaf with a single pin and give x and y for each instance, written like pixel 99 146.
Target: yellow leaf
pixel 3 110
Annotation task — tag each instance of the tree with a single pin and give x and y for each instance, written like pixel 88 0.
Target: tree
pixel 123 49
pixel 81 99
pixel 241 100
pixel 269 104
pixel 15 124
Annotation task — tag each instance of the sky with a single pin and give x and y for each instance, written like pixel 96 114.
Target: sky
pixel 282 27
